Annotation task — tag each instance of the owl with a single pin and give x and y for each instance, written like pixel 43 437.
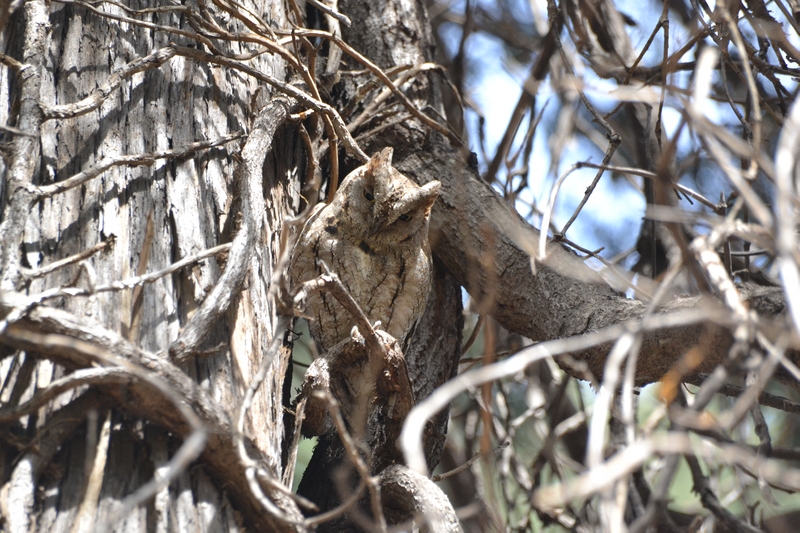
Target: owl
pixel 374 236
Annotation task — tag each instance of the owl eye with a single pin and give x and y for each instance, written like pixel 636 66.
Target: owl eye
pixel 404 217
pixel 368 195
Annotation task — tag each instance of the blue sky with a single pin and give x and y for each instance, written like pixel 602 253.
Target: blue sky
pixel 495 88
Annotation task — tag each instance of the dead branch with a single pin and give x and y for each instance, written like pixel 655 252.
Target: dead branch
pixel 96 99
pixel 220 451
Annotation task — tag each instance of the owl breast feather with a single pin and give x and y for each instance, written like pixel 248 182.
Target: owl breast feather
pixel 390 286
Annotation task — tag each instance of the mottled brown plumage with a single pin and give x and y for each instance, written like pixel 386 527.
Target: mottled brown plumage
pixel 374 236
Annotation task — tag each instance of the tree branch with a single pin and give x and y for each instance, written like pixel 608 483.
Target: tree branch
pixel 220 452
pixel 99 95
pixel 561 297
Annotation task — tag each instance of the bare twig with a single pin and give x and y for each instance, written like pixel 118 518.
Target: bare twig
pixel 330 282
pixel 141 23
pixel 253 468
pixel 79 378
pixel 786 212
pixel 372 67
pixel 329 11
pixel 25 303
pixel 289 90
pixel 46 191
pixel 99 95
pixel 67 261
pixel 613 142
pixel 373 484
pixel 85 519
pixel 651 175
pixel 474 335
pixel 410 439
pixel 642 450
pixel 470 462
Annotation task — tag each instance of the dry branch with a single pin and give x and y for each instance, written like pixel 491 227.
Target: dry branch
pixel 577 299
pixel 46 191
pixel 96 99
pixel 219 453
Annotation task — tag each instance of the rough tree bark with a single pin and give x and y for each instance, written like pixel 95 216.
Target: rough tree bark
pixel 173 359
pixel 146 217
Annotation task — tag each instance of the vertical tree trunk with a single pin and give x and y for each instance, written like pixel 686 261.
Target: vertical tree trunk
pixel 136 148
pixel 144 218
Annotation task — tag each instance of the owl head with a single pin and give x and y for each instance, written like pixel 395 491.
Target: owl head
pixel 382 207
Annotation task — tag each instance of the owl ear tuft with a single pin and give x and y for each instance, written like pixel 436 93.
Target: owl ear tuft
pixel 381 160
pixel 430 192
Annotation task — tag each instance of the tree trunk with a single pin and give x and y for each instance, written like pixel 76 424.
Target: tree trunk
pixel 145 216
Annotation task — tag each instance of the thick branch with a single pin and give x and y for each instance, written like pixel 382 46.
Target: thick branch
pixel 138 398
pixel 488 248
pixel 408 495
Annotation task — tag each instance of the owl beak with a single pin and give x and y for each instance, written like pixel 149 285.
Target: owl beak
pixel 379 223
